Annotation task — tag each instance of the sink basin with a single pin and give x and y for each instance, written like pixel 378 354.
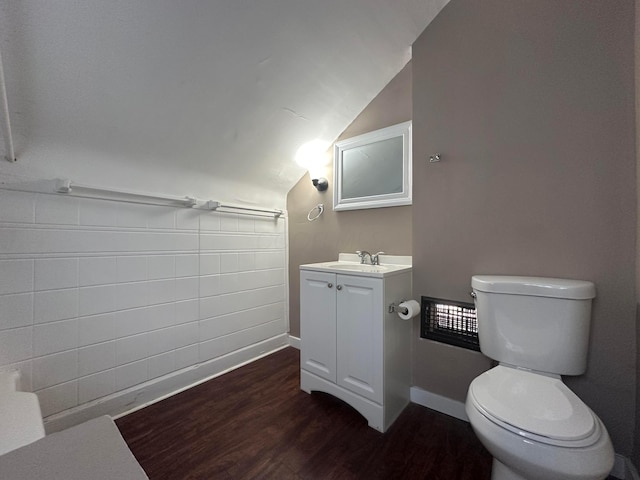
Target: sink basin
pixel 348 264
pixel 356 267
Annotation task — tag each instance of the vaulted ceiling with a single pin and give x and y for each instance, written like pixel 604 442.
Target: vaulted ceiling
pixel 229 88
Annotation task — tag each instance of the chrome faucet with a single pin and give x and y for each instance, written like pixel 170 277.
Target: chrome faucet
pixel 363 256
pixel 373 259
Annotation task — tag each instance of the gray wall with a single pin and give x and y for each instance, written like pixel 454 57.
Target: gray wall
pixel 531 105
pixel 383 229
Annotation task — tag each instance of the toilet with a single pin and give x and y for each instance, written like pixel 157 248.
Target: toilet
pixel 526 417
pixel 20 416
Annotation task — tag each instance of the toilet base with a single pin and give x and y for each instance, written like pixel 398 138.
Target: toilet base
pixel 499 471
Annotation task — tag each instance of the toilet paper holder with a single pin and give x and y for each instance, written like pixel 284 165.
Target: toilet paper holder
pixel 396 308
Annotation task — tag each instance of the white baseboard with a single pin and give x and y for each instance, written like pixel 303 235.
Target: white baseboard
pixel 631 473
pixel 294 342
pixel 140 396
pixel 624 469
pixel 441 404
pixel 619 470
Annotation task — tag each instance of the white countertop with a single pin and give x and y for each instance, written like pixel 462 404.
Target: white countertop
pixel 349 264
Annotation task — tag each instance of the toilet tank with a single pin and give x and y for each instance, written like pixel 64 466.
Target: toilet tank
pixel 532 322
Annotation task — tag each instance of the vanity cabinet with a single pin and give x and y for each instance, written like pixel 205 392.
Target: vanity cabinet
pixel 351 346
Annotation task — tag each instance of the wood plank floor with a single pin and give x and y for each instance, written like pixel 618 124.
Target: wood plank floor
pixel 255 422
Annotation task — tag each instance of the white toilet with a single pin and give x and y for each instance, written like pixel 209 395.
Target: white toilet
pixel 527 418
pixel 20 417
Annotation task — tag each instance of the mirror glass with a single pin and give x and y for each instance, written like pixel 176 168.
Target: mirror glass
pixel 373 170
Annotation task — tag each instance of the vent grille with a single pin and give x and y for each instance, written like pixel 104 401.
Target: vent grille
pixel 449 322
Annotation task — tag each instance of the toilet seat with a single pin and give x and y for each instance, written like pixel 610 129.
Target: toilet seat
pixel 535 406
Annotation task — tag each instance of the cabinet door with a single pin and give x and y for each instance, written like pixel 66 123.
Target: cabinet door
pixel 318 323
pixel 359 335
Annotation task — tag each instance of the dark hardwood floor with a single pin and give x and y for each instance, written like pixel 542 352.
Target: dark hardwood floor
pixel 255 422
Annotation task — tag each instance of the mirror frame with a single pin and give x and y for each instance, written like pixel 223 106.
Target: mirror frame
pixel 374 201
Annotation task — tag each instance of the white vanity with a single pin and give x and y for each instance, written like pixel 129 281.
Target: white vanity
pixel 351 345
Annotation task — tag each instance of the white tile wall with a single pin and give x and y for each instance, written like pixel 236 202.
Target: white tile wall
pixel 55 337
pixel 16 310
pixel 228 343
pixel 97 271
pixel 161 316
pixel 97 328
pixel 130 349
pixel 187 288
pixel 16 345
pixel 187 265
pixel 187 311
pixel 58 398
pixel 131 374
pixel 95 358
pixel 94 300
pixel 132 295
pixel 52 305
pixel 57 210
pixel 186 334
pixel 209 264
pixel 53 369
pixel 188 219
pixel 97 296
pixel 228 262
pixel 17 207
pixel 161 266
pixel 98 212
pixel 56 273
pixel 16 277
pixel 132 269
pixel 161 291
pixel 161 364
pixel 186 356
pixel 97 385
pixel 130 322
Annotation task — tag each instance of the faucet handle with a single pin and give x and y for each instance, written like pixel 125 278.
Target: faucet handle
pixel 363 255
pixel 375 260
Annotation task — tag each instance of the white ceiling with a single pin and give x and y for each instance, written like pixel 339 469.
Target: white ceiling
pixel 229 88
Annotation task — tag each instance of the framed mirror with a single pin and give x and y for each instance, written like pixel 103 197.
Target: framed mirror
pixel 373 170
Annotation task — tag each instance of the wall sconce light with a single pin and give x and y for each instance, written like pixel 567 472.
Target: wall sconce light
pixel 313 156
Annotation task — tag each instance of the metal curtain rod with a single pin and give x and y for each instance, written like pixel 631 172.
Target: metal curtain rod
pixel 67 186
pixel 211 205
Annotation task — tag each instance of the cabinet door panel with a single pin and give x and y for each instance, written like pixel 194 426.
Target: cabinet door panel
pixel 318 323
pixel 359 336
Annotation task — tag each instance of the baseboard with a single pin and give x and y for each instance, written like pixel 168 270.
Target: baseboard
pixel 624 469
pixel 631 472
pixel 441 404
pixel 294 342
pixel 619 470
pixel 140 396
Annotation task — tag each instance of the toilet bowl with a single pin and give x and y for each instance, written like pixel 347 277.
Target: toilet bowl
pixel 20 417
pixel 535 427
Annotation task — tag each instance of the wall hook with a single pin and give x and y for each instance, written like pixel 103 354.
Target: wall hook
pixel 435 158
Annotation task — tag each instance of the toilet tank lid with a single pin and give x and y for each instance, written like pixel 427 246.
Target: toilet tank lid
pixel 535 286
